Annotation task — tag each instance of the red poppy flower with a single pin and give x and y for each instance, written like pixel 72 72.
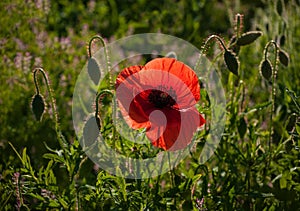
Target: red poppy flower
pixel 161 97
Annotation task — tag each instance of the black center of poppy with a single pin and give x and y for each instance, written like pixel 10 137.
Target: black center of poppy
pixel 161 99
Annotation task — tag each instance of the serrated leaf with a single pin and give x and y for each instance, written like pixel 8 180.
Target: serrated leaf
pixel 282 182
pixel 248 38
pixel 55 157
pixel 231 62
pixel 284 57
pixel 24 156
pixel 266 69
pixel 94 70
pixel 53 203
pixel 36 196
pixel 38 106
pixel 91 131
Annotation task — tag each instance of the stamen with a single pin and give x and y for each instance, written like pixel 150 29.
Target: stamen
pixel 161 99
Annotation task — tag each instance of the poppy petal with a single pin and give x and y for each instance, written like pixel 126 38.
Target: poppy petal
pixel 179 131
pixel 127 72
pixel 179 69
pixel 168 126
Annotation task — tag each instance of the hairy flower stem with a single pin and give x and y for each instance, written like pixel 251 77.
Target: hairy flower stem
pixel 215 37
pixel 106 54
pixel 101 94
pixel 222 42
pixel 239 24
pixel 61 139
pixel 273 92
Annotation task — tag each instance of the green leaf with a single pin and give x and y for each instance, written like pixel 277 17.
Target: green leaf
pixel 39 197
pixel 282 182
pixel 55 157
pixel 63 203
pixel 53 203
pixel 248 38
pixel 24 157
pixel 291 122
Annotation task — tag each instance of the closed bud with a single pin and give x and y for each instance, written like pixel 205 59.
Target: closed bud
pixel 90 131
pixel 94 70
pixel 38 106
pixel 284 57
pixel 242 127
pixel 282 40
pixel 231 62
pixel 248 37
pixel 279 7
pixel 266 69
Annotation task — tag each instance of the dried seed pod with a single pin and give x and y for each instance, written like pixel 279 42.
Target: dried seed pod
pixel 266 69
pixel 94 70
pixel 231 62
pixel 248 37
pixel 90 131
pixel 38 106
pixel 284 57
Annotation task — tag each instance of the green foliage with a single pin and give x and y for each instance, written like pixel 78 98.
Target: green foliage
pixel 256 166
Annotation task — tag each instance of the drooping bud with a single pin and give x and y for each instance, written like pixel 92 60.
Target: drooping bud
pixel 38 106
pixel 279 8
pixel 91 131
pixel 231 62
pixel 266 69
pixel 284 57
pixel 248 37
pixel 242 127
pixel 94 70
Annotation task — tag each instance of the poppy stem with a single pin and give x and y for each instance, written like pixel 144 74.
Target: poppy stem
pixel 61 139
pixel 100 94
pixel 172 173
pixel 273 93
pixel 239 24
pixel 216 37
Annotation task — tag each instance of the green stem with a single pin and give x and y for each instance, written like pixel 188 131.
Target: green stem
pixel 273 93
pixel 62 141
pixel 239 24
pixel 36 83
pixel 218 38
pixel 101 93
pixel 294 97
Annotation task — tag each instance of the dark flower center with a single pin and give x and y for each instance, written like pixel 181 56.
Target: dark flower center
pixel 161 99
